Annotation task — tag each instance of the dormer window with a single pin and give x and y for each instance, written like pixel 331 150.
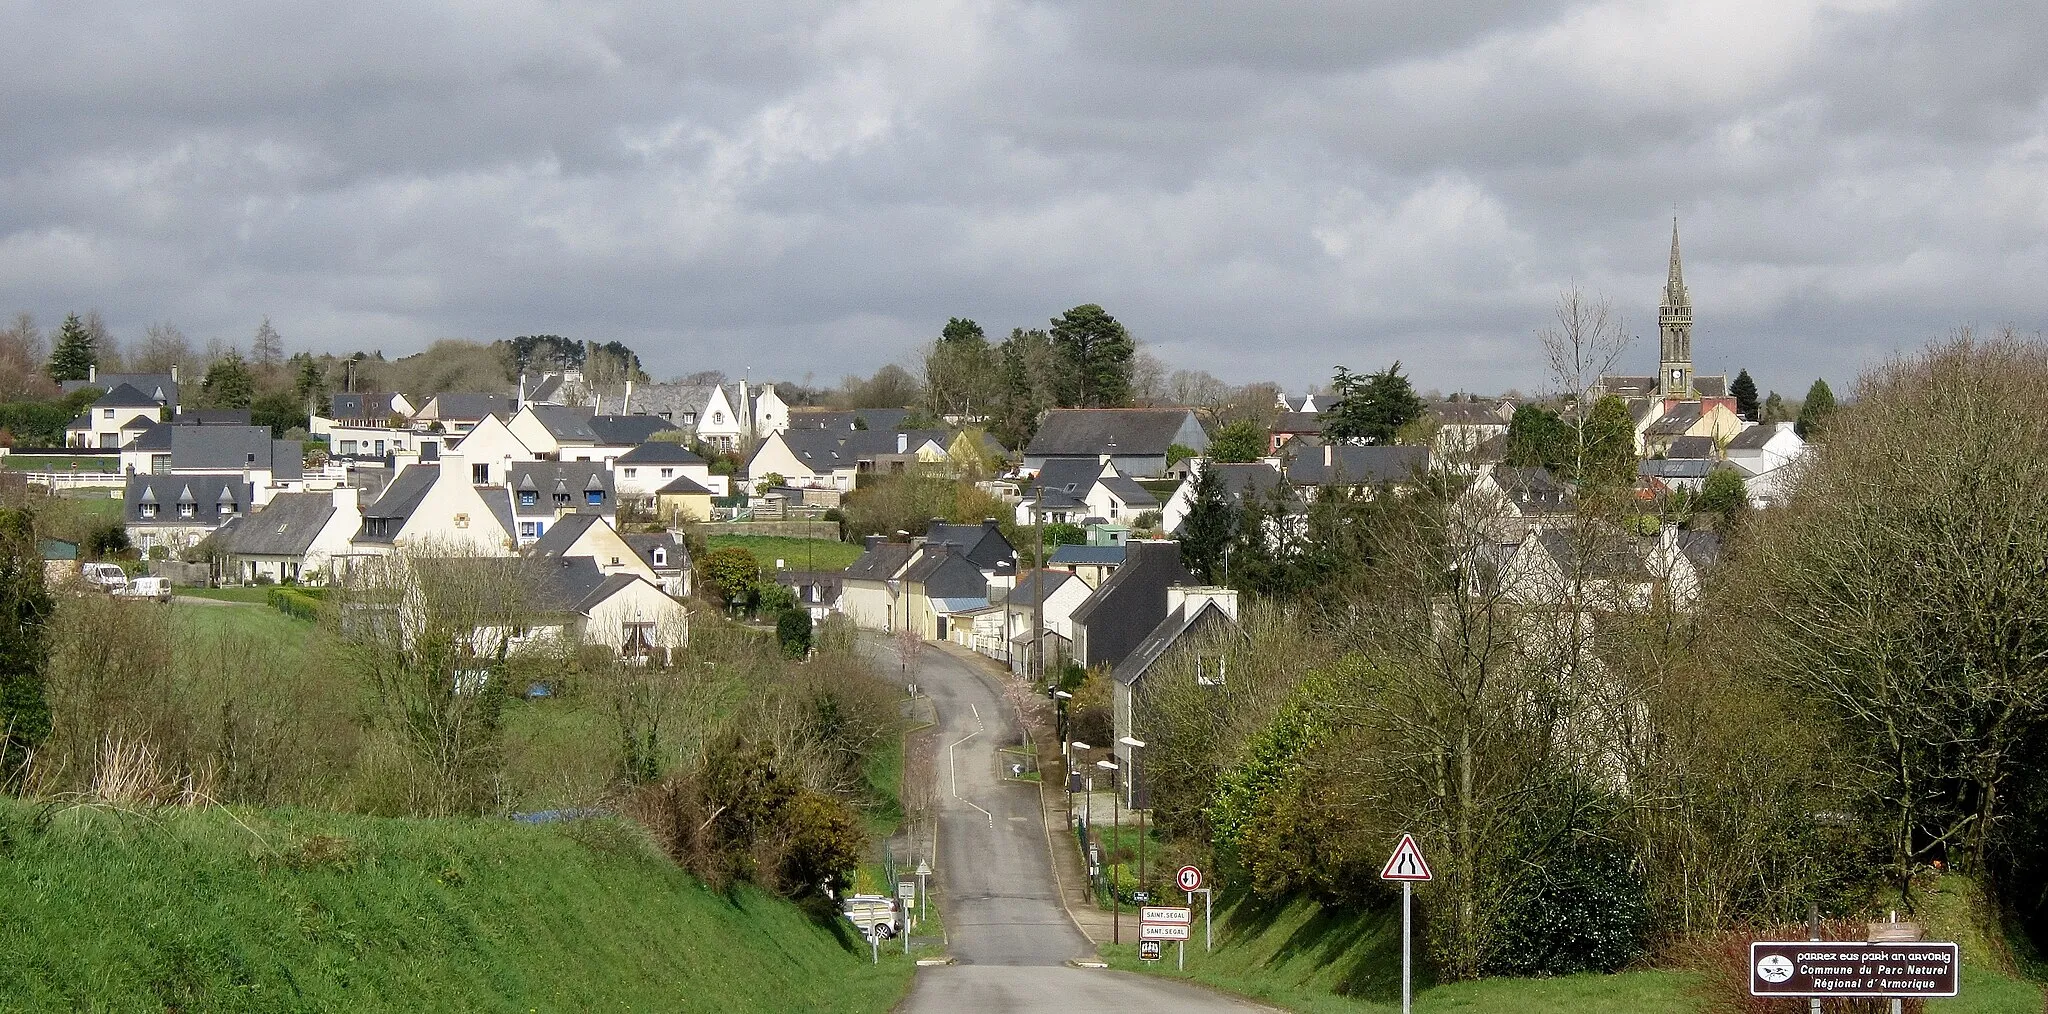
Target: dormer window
pixel 594 497
pixel 660 557
pixel 561 499
pixel 148 512
pixel 188 509
pixel 528 498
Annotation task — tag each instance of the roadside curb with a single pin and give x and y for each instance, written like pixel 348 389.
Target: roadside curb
pixel 1086 963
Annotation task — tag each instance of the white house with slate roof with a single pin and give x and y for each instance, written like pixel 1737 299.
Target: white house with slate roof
pixel 178 511
pixel 161 388
pixel 456 413
pixel 588 535
pixel 543 491
pixel 831 458
pixel 114 419
pixel 1071 490
pixel 297 537
pixel 436 505
pixel 578 434
pixel 640 473
pixel 1193 614
pixel 248 453
pixel 1136 439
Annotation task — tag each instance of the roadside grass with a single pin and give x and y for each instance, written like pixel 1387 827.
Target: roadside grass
pixel 259 622
pixel 296 910
pixel 59 463
pixel 1304 957
pixel 239 593
pixel 797 554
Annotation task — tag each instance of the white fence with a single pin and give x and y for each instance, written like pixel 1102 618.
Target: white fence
pixel 76 480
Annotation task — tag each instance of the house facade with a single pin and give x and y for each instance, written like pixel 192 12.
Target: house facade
pixel 1137 440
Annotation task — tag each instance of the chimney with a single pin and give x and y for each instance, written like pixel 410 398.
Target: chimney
pixel 1329 455
pixel 522 391
pixel 934 526
pixel 174 373
pixel 626 403
pixel 902 442
pixel 990 524
pixel 345 498
pixel 92 373
pixel 870 542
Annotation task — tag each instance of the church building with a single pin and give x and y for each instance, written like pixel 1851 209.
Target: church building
pixel 1676 402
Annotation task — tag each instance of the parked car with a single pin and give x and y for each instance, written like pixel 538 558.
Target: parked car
pixel 158 588
pixel 104 576
pixel 871 913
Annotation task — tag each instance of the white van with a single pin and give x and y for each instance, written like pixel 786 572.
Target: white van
pixel 158 588
pixel 871 913
pixel 104 576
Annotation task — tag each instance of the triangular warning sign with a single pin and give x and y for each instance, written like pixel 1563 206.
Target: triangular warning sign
pixel 1406 862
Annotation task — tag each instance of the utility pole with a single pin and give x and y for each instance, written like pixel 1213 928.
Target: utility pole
pixel 1038 582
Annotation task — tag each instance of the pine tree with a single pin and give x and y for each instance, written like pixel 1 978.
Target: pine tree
pixel 228 383
pixel 1774 409
pixel 25 607
pixel 75 354
pixel 1744 390
pixel 309 384
pixel 1813 416
pixel 1370 408
pixel 1210 525
pixel 1098 355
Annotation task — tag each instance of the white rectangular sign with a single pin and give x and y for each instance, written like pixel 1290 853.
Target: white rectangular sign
pixel 1163 931
pixel 906 889
pixel 1179 915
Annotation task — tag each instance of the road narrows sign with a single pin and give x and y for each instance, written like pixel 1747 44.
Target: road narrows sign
pixel 1406 863
pixel 1189 878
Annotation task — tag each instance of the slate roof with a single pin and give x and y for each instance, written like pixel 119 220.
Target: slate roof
pixel 571 584
pixel 500 504
pixel 1533 490
pixel 368 406
pixel 1639 409
pixel 1255 479
pixel 1753 438
pixel 467 406
pixel 124 396
pixel 401 497
pixel 286 526
pixel 946 574
pixel 983 545
pixel 1710 387
pixel 150 384
pixel 208 494
pixel 1702 548
pixel 1088 432
pixel 547 479
pixel 549 386
pixel 562 535
pixel 660 452
pixel 1086 556
pixel 1467 413
pixel 671 401
pixel 1034 586
pixel 1593 555
pixel 829 450
pixel 880 562
pixel 1676 420
pixel 1691 447
pixel 1299 422
pixel 1178 624
pixel 1629 387
pixel 574 424
pixel 221 448
pixel 826 581
pixel 1358 465
pixel 287 460
pixel 644 544
pixel 1126 607
pixel 888 419
pixel 1293 403
pixel 683 485
pixel 1067 482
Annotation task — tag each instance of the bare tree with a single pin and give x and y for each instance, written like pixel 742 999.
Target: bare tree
pixel 108 347
pixel 163 347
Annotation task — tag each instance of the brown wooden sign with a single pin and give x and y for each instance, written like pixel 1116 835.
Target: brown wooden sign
pixel 1851 968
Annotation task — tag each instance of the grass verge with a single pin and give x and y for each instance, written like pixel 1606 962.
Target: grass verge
pixel 796 554
pixel 293 910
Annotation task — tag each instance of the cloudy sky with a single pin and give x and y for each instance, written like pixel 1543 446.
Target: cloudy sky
pixel 1260 190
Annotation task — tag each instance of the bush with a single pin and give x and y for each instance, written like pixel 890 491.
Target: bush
pixel 293 603
pixel 1571 908
pixel 793 630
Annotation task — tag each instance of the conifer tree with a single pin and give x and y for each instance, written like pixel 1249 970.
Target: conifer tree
pixel 1744 390
pixel 75 353
pixel 1813 416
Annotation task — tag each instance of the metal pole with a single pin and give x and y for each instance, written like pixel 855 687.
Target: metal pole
pixel 1136 779
pixel 1116 915
pixel 874 947
pixel 1208 919
pixel 1038 586
pixel 1407 893
pixel 1898 1005
pixel 1813 933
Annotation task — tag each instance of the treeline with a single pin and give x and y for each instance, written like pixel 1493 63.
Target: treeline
pixel 1850 703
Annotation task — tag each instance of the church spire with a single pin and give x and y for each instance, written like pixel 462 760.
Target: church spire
pixel 1674 331
pixel 1674 287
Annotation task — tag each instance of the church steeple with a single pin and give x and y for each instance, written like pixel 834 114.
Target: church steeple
pixel 1674 330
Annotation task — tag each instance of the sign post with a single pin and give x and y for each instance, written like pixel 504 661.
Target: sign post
pixel 924 869
pixel 1836 968
pixel 1165 923
pixel 906 893
pixel 1407 866
pixel 1190 880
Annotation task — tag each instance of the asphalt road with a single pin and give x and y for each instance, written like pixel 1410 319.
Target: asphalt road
pixel 1005 927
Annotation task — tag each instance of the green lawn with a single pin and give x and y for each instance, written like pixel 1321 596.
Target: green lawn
pixel 1306 958
pixel 240 593
pixel 253 620
pixel 295 910
pixel 60 463
pixel 798 554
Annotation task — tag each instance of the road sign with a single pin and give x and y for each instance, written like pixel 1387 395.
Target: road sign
pixel 1189 878
pixel 1176 915
pixel 1141 897
pixel 924 869
pixel 1406 863
pixel 1148 950
pixel 1164 931
pixel 906 889
pixel 1824 968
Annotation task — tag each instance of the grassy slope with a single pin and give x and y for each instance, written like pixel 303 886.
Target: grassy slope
pixel 303 911
pixel 1302 958
pixel 799 554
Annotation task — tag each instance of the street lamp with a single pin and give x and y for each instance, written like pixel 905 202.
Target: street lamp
pixel 1070 746
pixel 1136 776
pixel 1116 924
pixel 1060 699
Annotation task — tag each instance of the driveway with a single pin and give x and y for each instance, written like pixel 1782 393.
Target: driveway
pixel 1006 929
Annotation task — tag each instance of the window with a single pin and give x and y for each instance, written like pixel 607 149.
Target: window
pixel 660 557
pixel 594 497
pixel 561 499
pixel 479 475
pixel 377 527
pixel 718 418
pixel 528 530
pixel 148 512
pixel 689 418
pixel 632 472
pixel 106 413
pixel 636 637
pixel 227 507
pixel 187 509
pixel 666 473
pixel 462 521
pixel 348 447
pixel 380 450
pixel 528 498
pixel 615 561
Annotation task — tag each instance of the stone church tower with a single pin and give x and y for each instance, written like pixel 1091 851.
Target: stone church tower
pixel 1674 331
